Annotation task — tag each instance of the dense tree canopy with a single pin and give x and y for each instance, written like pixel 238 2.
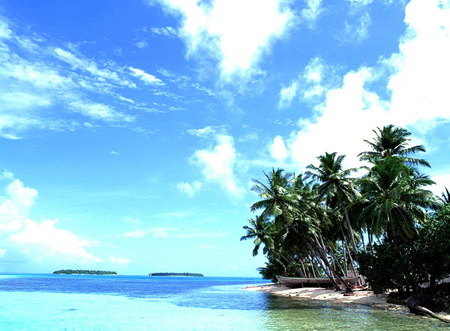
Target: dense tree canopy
pixel 384 224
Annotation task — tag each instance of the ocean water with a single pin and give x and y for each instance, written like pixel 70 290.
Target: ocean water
pixel 82 302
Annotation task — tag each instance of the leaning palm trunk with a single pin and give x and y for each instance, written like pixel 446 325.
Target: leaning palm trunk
pixel 352 262
pixel 336 261
pixel 332 272
pixel 350 230
pixel 305 273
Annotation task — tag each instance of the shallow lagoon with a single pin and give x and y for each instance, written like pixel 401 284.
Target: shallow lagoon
pixel 50 302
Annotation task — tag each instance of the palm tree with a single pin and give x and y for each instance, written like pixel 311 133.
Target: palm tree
pixel 393 141
pixel 445 197
pixel 336 186
pixel 288 201
pixel 395 199
pixel 276 196
pixel 262 232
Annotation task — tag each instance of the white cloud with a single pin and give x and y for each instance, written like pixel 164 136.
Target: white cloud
pixel 420 85
pixel 175 233
pixel 419 99
pixel 287 94
pixel 118 260
pixel 190 189
pixel 8 175
pixel 312 11
pixel 15 207
pixel 135 234
pixel 36 241
pixel 5 31
pixel 206 132
pixel 359 3
pixel 43 240
pixel 310 86
pixel 357 32
pixel 278 149
pixel 145 77
pixel 218 165
pixel 142 44
pixel 166 31
pixel 236 33
pixel 78 62
pixel 36 74
pixel 98 111
pixel 38 80
pixel 348 114
pixel 442 181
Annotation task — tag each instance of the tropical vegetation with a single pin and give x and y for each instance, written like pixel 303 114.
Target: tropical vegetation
pixel 175 274
pixel 84 272
pixel 379 220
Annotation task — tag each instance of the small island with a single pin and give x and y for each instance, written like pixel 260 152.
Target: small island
pixel 83 272
pixel 176 274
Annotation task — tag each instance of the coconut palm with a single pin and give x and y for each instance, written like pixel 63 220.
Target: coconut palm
pixel 335 186
pixel 261 231
pixel 395 199
pixel 277 199
pixel 393 141
pixel 291 204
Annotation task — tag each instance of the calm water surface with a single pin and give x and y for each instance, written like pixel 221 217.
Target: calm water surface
pixel 78 302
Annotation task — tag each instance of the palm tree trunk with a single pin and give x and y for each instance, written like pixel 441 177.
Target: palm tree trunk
pixel 352 262
pixel 344 253
pixel 336 261
pixel 303 268
pixel 332 273
pixel 350 230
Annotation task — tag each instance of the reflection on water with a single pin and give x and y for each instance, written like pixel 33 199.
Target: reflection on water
pixel 271 312
pixel 287 313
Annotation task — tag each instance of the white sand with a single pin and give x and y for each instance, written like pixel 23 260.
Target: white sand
pixel 360 297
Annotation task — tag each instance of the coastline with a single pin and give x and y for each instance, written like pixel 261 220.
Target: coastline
pixel 360 297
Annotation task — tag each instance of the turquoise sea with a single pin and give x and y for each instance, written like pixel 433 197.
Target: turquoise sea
pixel 82 302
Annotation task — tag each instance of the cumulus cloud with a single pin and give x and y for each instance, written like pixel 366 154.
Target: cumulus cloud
pixel 287 94
pixel 236 33
pixel 278 149
pixel 348 112
pixel 420 83
pixel 310 86
pixel 218 165
pixel 35 241
pixel 40 240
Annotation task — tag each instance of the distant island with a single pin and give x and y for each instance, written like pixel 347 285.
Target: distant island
pixel 176 274
pixel 84 272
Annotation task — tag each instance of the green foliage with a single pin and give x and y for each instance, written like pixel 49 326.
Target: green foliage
pixel 392 268
pixel 271 270
pixel 176 274
pixel 315 224
pixel 84 272
pixel 425 259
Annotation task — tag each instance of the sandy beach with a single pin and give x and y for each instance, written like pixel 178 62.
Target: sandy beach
pixel 360 297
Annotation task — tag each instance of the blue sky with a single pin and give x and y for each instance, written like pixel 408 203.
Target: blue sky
pixel 130 130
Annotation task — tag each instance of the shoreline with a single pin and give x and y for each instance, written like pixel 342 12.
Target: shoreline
pixel 360 297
